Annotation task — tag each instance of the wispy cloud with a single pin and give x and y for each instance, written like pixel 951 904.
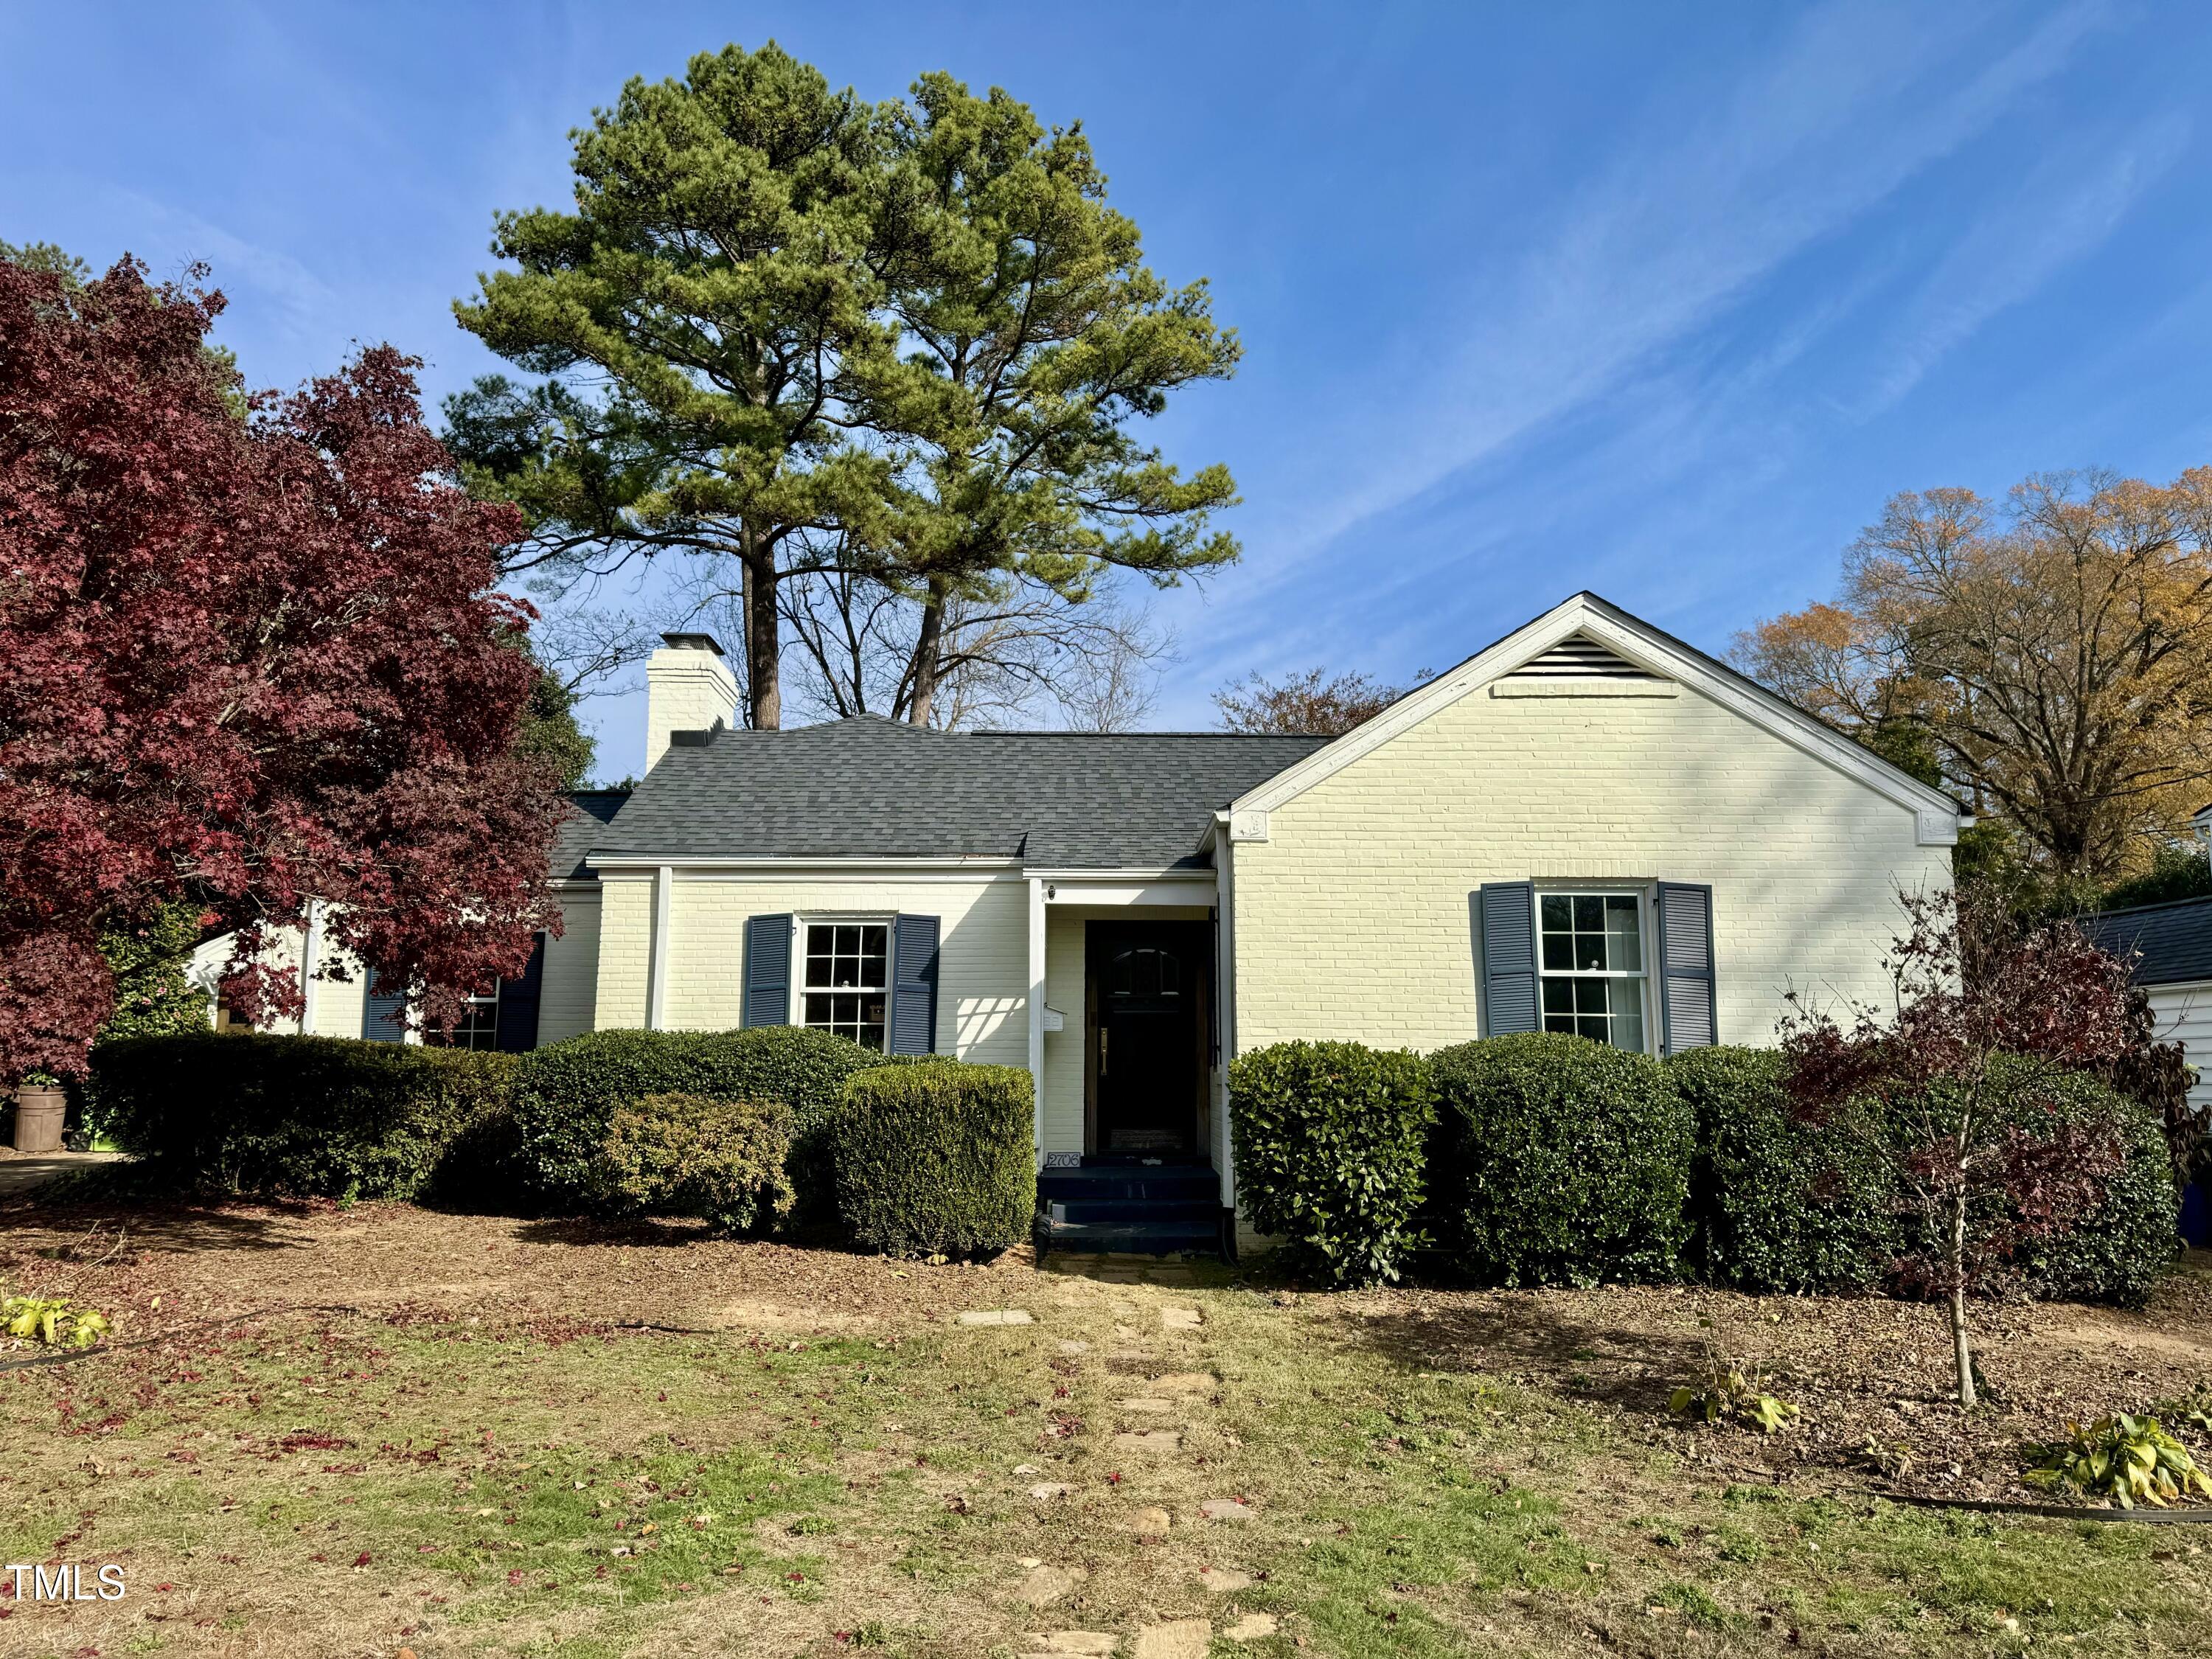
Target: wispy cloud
pixel 2068 205
pixel 1854 104
pixel 169 237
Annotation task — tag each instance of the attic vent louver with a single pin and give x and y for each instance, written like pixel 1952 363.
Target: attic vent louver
pixel 1580 659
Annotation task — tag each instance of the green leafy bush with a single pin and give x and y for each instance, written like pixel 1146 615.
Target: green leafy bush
pixel 2119 1252
pixel 2123 1458
pixel 1330 1145
pixel 54 1321
pixel 936 1158
pixel 1572 1161
pixel 308 1117
pixel 1778 1204
pixel 1723 1392
pixel 566 1095
pixel 719 1160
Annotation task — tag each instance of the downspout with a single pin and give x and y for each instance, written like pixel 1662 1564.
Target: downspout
pixel 1037 1015
pixel 311 952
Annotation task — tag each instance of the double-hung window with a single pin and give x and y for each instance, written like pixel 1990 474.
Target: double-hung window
pixel 1590 951
pixel 478 1028
pixel 846 985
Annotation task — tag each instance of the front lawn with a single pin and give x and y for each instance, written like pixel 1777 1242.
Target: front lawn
pixel 385 1428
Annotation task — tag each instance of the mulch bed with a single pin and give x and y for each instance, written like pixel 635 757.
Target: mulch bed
pixel 1866 1373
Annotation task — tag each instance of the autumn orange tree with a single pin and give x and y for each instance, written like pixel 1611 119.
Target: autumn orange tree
pixel 2051 656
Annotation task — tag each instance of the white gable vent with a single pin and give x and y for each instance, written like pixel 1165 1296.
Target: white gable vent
pixel 1580 658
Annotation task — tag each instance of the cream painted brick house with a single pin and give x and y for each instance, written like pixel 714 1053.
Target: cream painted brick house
pixel 1588 826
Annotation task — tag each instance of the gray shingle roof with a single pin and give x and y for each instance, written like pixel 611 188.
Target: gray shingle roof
pixel 595 810
pixel 2175 939
pixel 869 787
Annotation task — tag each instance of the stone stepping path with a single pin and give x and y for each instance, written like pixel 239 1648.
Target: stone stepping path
pixel 1181 1319
pixel 1225 1509
pixel 1224 1581
pixel 1149 1442
pixel 997 1316
pixel 1052 1643
pixel 1251 1628
pixel 1146 1405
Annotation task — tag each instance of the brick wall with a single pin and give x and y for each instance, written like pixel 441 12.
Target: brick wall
pixel 1352 919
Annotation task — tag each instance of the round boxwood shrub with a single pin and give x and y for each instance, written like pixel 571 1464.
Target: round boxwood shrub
pixel 307 1116
pixel 686 1155
pixel 1778 1204
pixel 936 1158
pixel 1572 1161
pixel 566 1093
pixel 1330 1142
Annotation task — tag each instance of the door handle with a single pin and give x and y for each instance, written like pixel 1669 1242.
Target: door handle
pixel 1102 1035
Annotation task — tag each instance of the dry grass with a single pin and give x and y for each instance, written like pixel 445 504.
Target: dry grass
pixel 490 1410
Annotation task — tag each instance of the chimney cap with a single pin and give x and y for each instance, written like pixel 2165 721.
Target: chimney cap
pixel 692 642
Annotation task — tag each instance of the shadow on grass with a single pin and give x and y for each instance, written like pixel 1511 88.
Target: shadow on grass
pixel 1508 1333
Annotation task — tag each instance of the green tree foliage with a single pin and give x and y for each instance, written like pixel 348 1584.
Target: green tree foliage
pixel 549 732
pixel 794 335
pixel 697 311
pixel 153 998
pixel 1034 334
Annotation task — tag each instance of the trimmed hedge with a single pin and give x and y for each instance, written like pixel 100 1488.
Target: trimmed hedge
pixel 565 1096
pixel 719 1160
pixel 936 1158
pixel 1330 1142
pixel 1573 1161
pixel 1777 1205
pixel 2119 1253
pixel 309 1116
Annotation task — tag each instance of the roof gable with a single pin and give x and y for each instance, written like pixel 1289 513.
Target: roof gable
pixel 1586 637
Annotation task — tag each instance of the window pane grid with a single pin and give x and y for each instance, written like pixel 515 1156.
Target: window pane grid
pixel 847 980
pixel 478 1028
pixel 1591 946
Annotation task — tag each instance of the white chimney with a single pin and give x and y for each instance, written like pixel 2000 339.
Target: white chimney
pixel 688 688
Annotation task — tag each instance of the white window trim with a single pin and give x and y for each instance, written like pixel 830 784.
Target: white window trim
pixel 1646 894
pixel 886 919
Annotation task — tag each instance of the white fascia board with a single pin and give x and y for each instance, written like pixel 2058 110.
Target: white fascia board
pixel 1937 815
pixel 811 869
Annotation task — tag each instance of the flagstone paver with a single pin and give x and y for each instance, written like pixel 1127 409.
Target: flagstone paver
pixel 1251 1628
pixel 1178 1638
pixel 996 1316
pixel 1225 1509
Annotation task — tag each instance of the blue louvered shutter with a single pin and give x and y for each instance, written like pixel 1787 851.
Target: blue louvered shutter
pixel 516 1030
pixel 1505 925
pixel 381 1012
pixel 767 970
pixel 1687 1011
pixel 914 986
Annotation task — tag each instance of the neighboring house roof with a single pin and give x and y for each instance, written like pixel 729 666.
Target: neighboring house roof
pixel 595 810
pixel 2175 940
pixel 1573 640
pixel 869 787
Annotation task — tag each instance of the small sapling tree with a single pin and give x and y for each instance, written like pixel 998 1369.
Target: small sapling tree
pixel 1963 1087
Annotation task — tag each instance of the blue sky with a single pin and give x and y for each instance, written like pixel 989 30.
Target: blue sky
pixel 1659 300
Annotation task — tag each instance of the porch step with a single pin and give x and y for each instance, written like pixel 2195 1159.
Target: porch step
pixel 1133 1237
pixel 1197 1213
pixel 1170 1183
pixel 1130 1207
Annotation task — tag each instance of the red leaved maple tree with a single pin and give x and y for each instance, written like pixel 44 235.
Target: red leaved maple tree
pixel 1961 1087
pixel 252 657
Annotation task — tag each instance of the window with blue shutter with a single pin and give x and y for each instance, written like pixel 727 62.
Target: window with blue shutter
pixel 914 986
pixel 516 1019
pixel 767 999
pixel 381 1011
pixel 1688 1011
pixel 1504 920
